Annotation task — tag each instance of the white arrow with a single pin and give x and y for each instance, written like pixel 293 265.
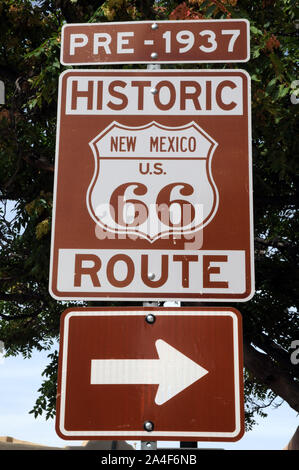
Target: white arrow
pixel 173 372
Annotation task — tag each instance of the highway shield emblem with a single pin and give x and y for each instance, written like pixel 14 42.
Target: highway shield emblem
pixel 152 181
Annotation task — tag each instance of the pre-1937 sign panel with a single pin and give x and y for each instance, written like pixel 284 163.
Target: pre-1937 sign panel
pixel 153 186
pixel 119 372
pixel 156 41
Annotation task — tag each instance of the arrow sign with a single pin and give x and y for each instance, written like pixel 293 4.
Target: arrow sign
pixel 173 372
pixel 115 369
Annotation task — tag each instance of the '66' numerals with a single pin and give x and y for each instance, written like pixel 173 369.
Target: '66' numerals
pixel 165 205
pixel 206 41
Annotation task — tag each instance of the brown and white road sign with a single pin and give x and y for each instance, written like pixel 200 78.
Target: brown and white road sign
pixel 153 190
pixel 182 374
pixel 161 41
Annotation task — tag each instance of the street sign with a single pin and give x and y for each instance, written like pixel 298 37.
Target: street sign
pixel 153 190
pixel 151 374
pixel 156 41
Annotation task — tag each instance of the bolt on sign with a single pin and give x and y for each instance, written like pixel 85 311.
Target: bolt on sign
pixel 162 41
pixel 126 373
pixel 152 196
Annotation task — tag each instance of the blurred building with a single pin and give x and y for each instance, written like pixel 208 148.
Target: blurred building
pixel 10 443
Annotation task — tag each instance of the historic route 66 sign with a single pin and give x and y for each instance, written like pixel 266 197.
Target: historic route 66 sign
pixel 152 181
pixel 152 196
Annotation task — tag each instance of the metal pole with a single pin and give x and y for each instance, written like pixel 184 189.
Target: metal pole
pixel 188 445
pixel 150 445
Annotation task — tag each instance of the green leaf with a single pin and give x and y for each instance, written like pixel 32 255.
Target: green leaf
pixel 282 91
pixel 205 4
pixel 209 11
pixel 277 62
pixel 270 86
pixel 255 78
pixel 255 30
pixel 255 52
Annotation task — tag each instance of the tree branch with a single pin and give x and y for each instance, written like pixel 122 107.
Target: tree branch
pixel 275 242
pixel 275 351
pixel 40 163
pixel 20 298
pixel 18 317
pixel 7 72
pixel 146 8
pixel 265 372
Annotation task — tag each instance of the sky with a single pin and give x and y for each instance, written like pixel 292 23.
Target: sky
pixel 19 382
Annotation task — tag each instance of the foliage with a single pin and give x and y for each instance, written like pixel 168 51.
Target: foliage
pixel 46 401
pixel 30 66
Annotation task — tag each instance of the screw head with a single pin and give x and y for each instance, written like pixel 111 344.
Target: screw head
pixel 154 91
pixel 150 318
pixel 155 26
pixel 151 276
pixel 148 426
pixel 154 55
